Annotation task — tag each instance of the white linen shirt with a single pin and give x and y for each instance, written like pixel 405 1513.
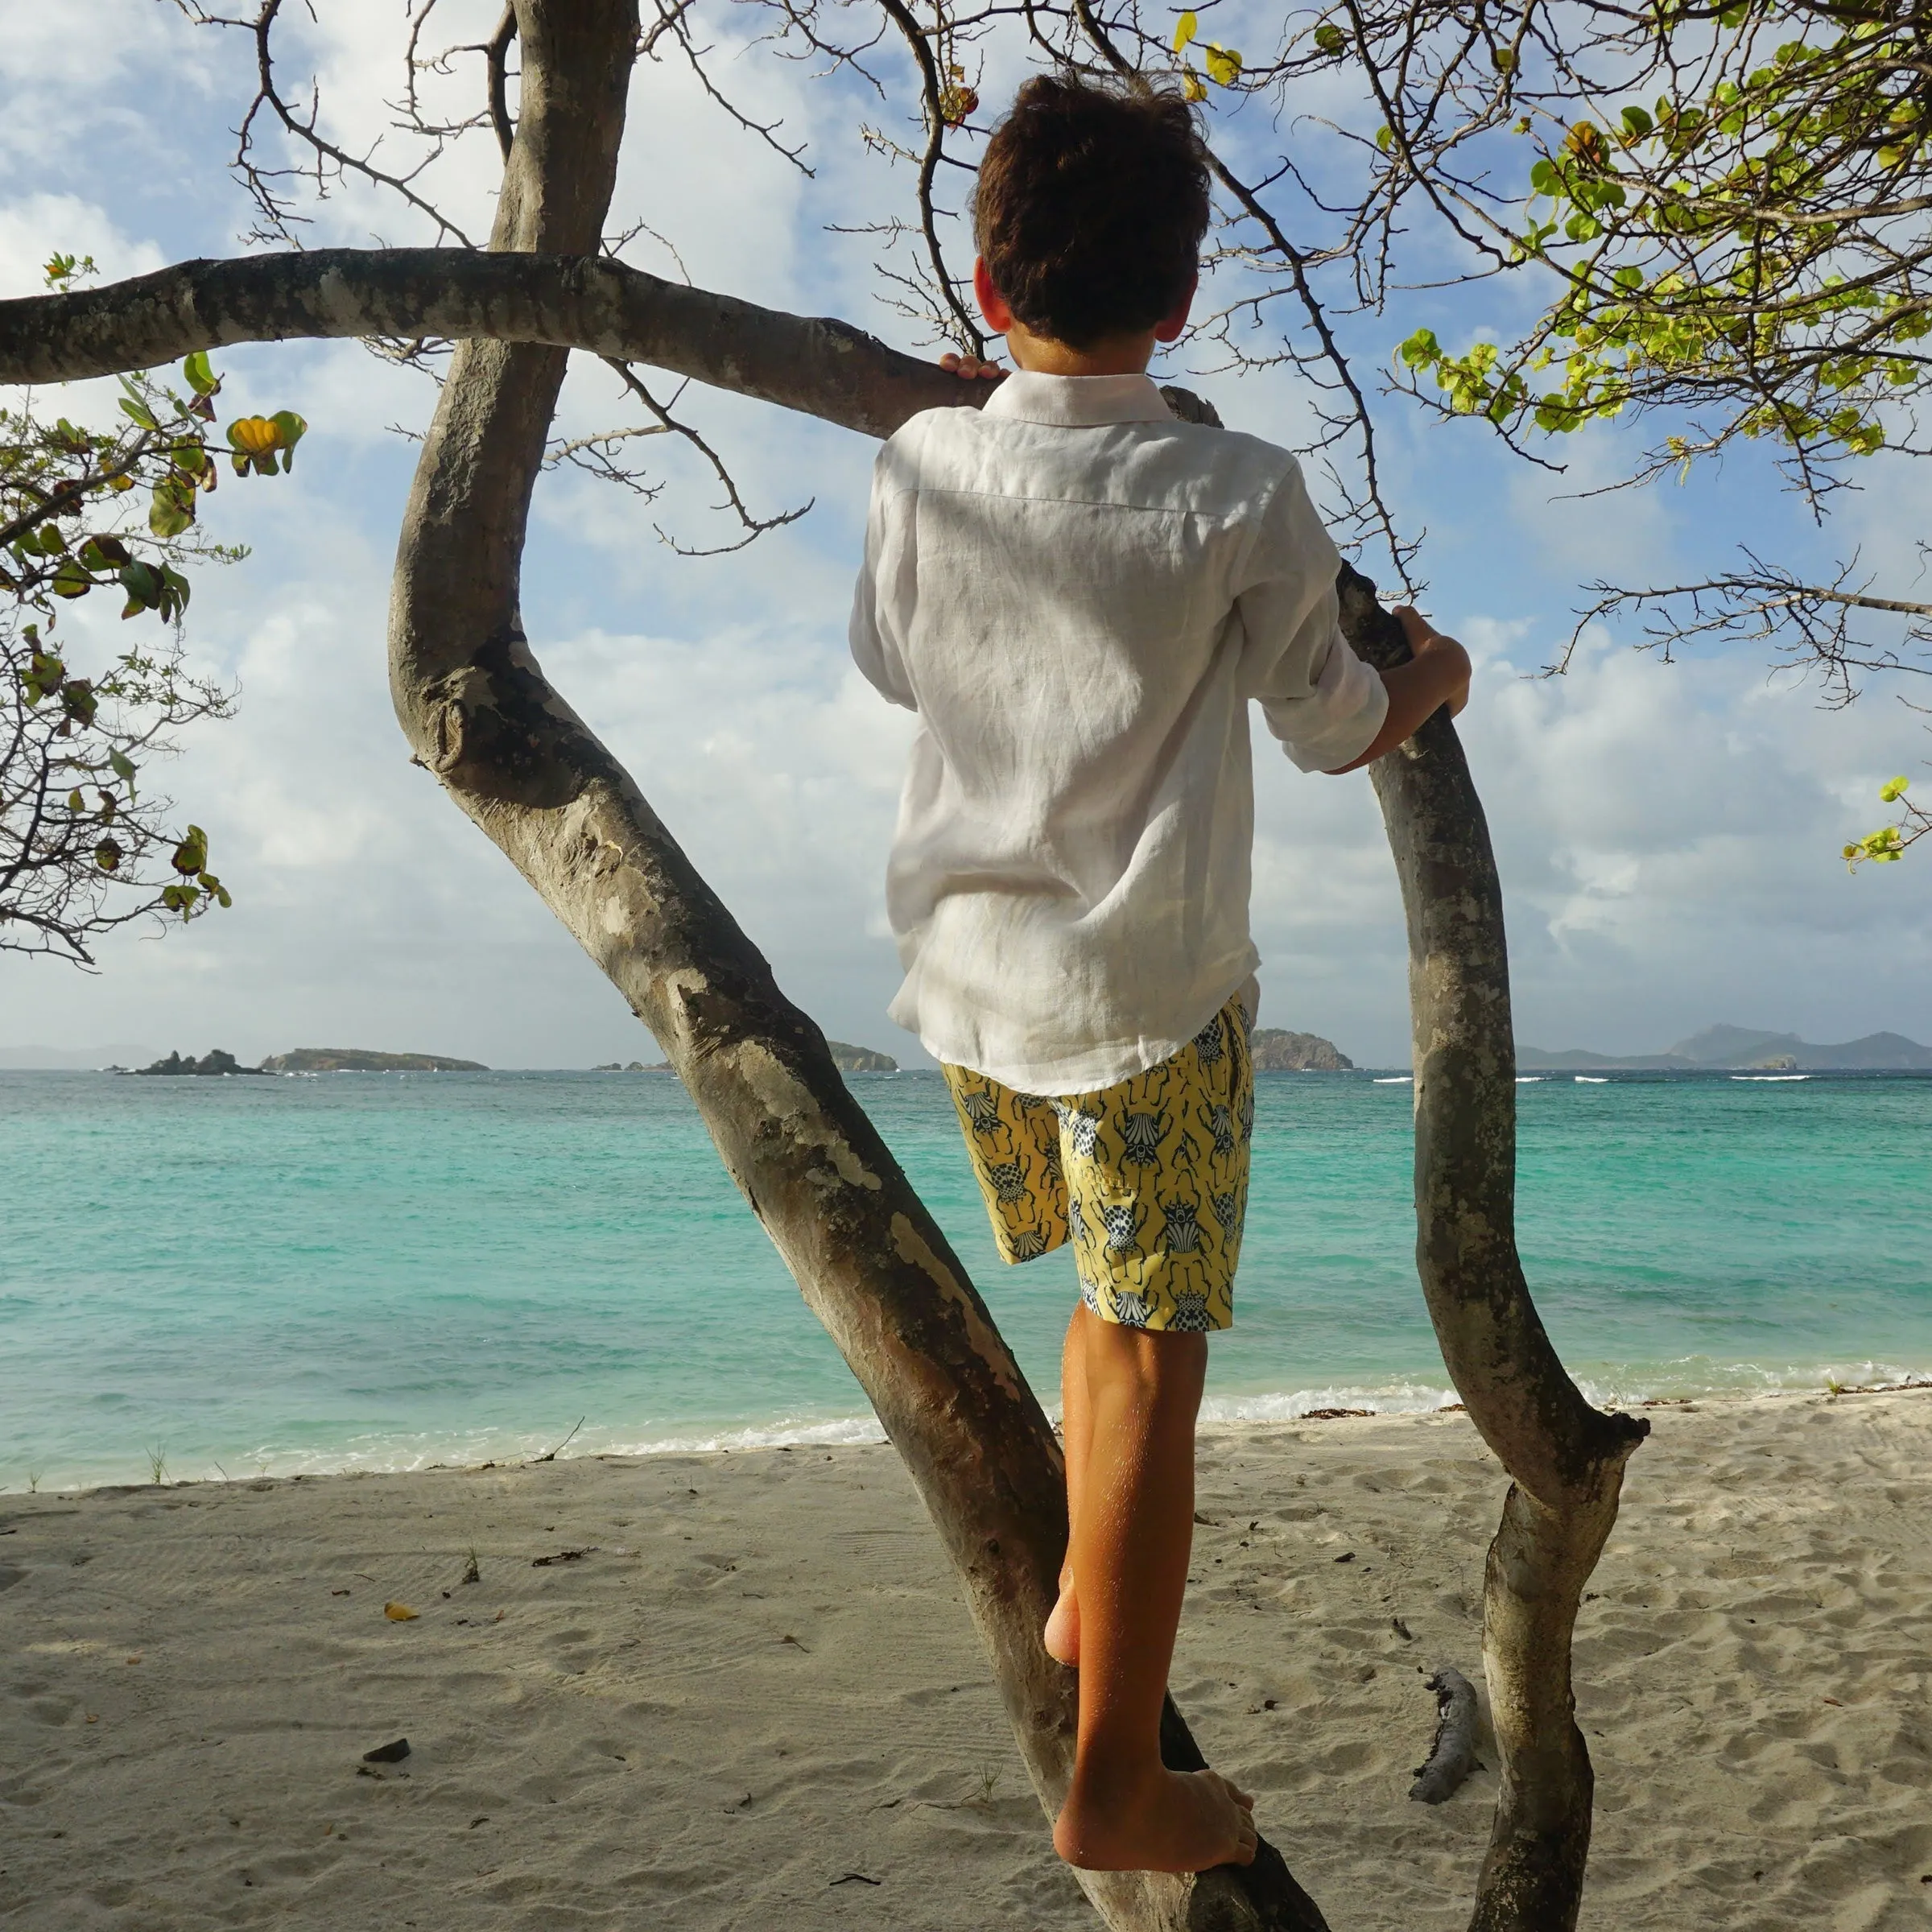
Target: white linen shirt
pixel 1079 594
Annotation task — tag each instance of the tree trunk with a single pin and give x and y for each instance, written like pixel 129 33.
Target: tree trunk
pixel 1565 1458
pixel 870 1259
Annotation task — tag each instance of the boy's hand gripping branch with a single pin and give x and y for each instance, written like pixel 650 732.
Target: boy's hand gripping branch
pixel 1438 674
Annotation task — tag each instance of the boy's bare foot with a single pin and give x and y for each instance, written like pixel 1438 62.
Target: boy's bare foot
pixel 1178 1821
pixel 1062 1634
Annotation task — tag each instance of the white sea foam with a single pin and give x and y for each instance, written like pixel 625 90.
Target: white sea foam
pixel 1607 1385
pixel 1395 1079
pixel 1591 1079
pixel 1529 1080
pixel 401 1455
pixel 1771 1076
pixel 1396 1398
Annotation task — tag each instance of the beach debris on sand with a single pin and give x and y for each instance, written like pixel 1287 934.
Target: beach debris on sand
pixel 1452 1755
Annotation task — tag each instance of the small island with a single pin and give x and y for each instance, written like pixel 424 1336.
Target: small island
pixel 1277 1050
pixel 213 1063
pixel 360 1059
pixel 848 1059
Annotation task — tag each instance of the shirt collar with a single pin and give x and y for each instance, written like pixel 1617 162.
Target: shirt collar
pixel 1077 401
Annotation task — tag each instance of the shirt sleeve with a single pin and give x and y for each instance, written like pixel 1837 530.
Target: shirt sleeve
pixel 874 646
pixel 1320 699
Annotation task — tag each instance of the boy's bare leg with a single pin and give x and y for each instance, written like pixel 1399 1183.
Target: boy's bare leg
pixel 1062 1635
pixel 1132 1536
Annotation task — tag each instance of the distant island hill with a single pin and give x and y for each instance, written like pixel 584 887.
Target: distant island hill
pixel 1743 1049
pixel 846 1057
pixel 1276 1050
pixel 313 1059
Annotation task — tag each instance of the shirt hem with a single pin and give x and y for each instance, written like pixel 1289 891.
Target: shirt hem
pixel 1095 1068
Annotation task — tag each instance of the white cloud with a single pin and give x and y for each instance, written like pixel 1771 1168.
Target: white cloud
pixel 39 226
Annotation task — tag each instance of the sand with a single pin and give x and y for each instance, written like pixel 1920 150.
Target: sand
pixel 756 1702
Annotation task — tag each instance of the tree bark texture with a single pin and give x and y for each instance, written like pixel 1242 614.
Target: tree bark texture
pixel 1565 1458
pixel 568 298
pixel 870 1260
pixel 867 1257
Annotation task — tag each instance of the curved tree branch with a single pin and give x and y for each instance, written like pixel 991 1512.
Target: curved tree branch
pixel 1565 1458
pixel 823 367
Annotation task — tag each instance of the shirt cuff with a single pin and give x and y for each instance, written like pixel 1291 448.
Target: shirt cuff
pixel 1337 721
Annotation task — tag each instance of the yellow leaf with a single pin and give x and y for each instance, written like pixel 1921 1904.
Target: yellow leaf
pixel 1224 64
pixel 400 1613
pixel 1184 29
pixel 253 434
pixel 1191 87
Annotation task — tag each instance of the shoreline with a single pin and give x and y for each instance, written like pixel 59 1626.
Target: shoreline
pixel 719 1687
pixel 1230 1414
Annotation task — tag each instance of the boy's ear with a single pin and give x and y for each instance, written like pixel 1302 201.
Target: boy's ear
pixel 1170 326
pixel 993 305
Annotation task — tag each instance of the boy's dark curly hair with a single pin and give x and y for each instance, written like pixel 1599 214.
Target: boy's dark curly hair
pixel 1091 207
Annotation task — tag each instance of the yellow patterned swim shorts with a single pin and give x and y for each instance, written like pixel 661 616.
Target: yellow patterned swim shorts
pixel 1149 1178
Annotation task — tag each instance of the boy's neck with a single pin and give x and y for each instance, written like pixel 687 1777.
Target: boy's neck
pixel 1115 355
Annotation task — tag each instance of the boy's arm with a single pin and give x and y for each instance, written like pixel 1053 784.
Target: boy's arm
pixel 1319 699
pixel 873 649
pixel 1437 674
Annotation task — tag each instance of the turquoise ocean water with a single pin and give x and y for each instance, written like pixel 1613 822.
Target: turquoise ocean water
pixel 384 1271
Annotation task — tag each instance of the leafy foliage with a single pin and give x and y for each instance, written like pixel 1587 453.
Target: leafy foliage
pixel 1889 843
pixel 1747 242
pixel 84 845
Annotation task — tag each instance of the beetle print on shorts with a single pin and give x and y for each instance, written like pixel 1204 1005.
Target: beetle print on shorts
pixel 1147 1180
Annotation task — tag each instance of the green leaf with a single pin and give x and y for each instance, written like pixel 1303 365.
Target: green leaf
pixel 201 378
pixel 70 581
pixel 134 405
pixel 142 586
pixel 1421 349
pixel 1895 790
pixel 191 855
pixel 293 428
pixel 1330 38
pixel 1545 179
pixel 1384 139
pixel 124 766
pixel 172 511
pixel 1637 124
pixel 1185 29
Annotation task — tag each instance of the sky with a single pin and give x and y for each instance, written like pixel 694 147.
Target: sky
pixel 1668 833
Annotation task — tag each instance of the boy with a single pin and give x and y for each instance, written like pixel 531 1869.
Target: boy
pixel 1079 596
